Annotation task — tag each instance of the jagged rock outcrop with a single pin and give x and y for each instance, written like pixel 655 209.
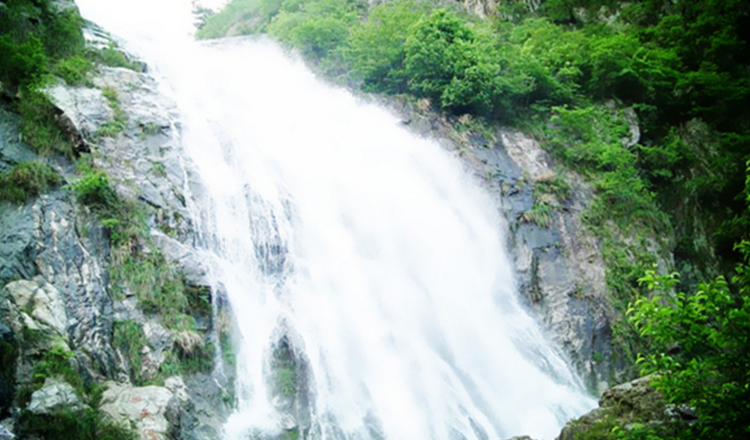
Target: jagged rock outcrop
pixel 55 395
pixel 623 406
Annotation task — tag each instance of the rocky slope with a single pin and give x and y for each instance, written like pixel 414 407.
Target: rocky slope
pixel 66 304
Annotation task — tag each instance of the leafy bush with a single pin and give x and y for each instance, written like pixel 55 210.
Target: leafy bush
pixel 33 32
pixel 375 49
pixel 74 70
pixel 27 180
pixel 113 57
pixel 94 190
pixel 22 64
pixel 57 361
pixel 286 381
pixel 699 346
pixel 316 29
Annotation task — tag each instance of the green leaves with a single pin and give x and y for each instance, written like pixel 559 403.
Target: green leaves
pixel 375 49
pixel 26 180
pixel 699 347
pixel 22 64
pixel 317 27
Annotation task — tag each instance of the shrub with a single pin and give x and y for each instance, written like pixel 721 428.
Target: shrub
pixel 457 66
pixel 22 64
pixel 39 127
pixel 113 57
pixel 699 346
pixel 57 361
pixel 94 190
pixel 286 381
pixel 74 70
pixel 316 29
pixel 375 49
pixel 27 180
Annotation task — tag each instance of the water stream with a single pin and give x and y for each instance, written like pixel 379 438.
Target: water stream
pixel 365 267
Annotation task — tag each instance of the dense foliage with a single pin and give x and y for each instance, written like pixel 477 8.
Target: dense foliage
pixel 34 33
pixel 700 348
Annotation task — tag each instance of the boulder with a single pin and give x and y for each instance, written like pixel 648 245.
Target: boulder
pixel 145 408
pixel 55 395
pixel 634 402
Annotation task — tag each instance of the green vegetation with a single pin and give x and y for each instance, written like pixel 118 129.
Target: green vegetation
pixel 285 370
pixel 111 56
pixel 39 127
pixel 698 343
pixel 135 267
pixel 74 70
pixel 26 180
pixel 57 361
pixel 87 424
pixel 128 337
pixel 94 190
pixel 37 38
pixel 286 381
pixel 550 193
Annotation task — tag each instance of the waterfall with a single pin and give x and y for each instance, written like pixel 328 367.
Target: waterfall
pixel 365 267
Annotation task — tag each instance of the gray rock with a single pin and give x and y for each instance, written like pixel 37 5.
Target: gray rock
pixel 85 109
pixel 626 404
pixel 19 248
pixel 6 430
pixel 41 305
pixel 186 258
pixel 74 262
pixel 143 407
pixel 12 150
pixel 210 409
pixel 55 395
pixel 143 161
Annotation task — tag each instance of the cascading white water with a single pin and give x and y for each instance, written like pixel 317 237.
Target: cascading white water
pixel 369 252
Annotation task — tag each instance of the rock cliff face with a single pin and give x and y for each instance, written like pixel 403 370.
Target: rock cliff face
pixel 59 310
